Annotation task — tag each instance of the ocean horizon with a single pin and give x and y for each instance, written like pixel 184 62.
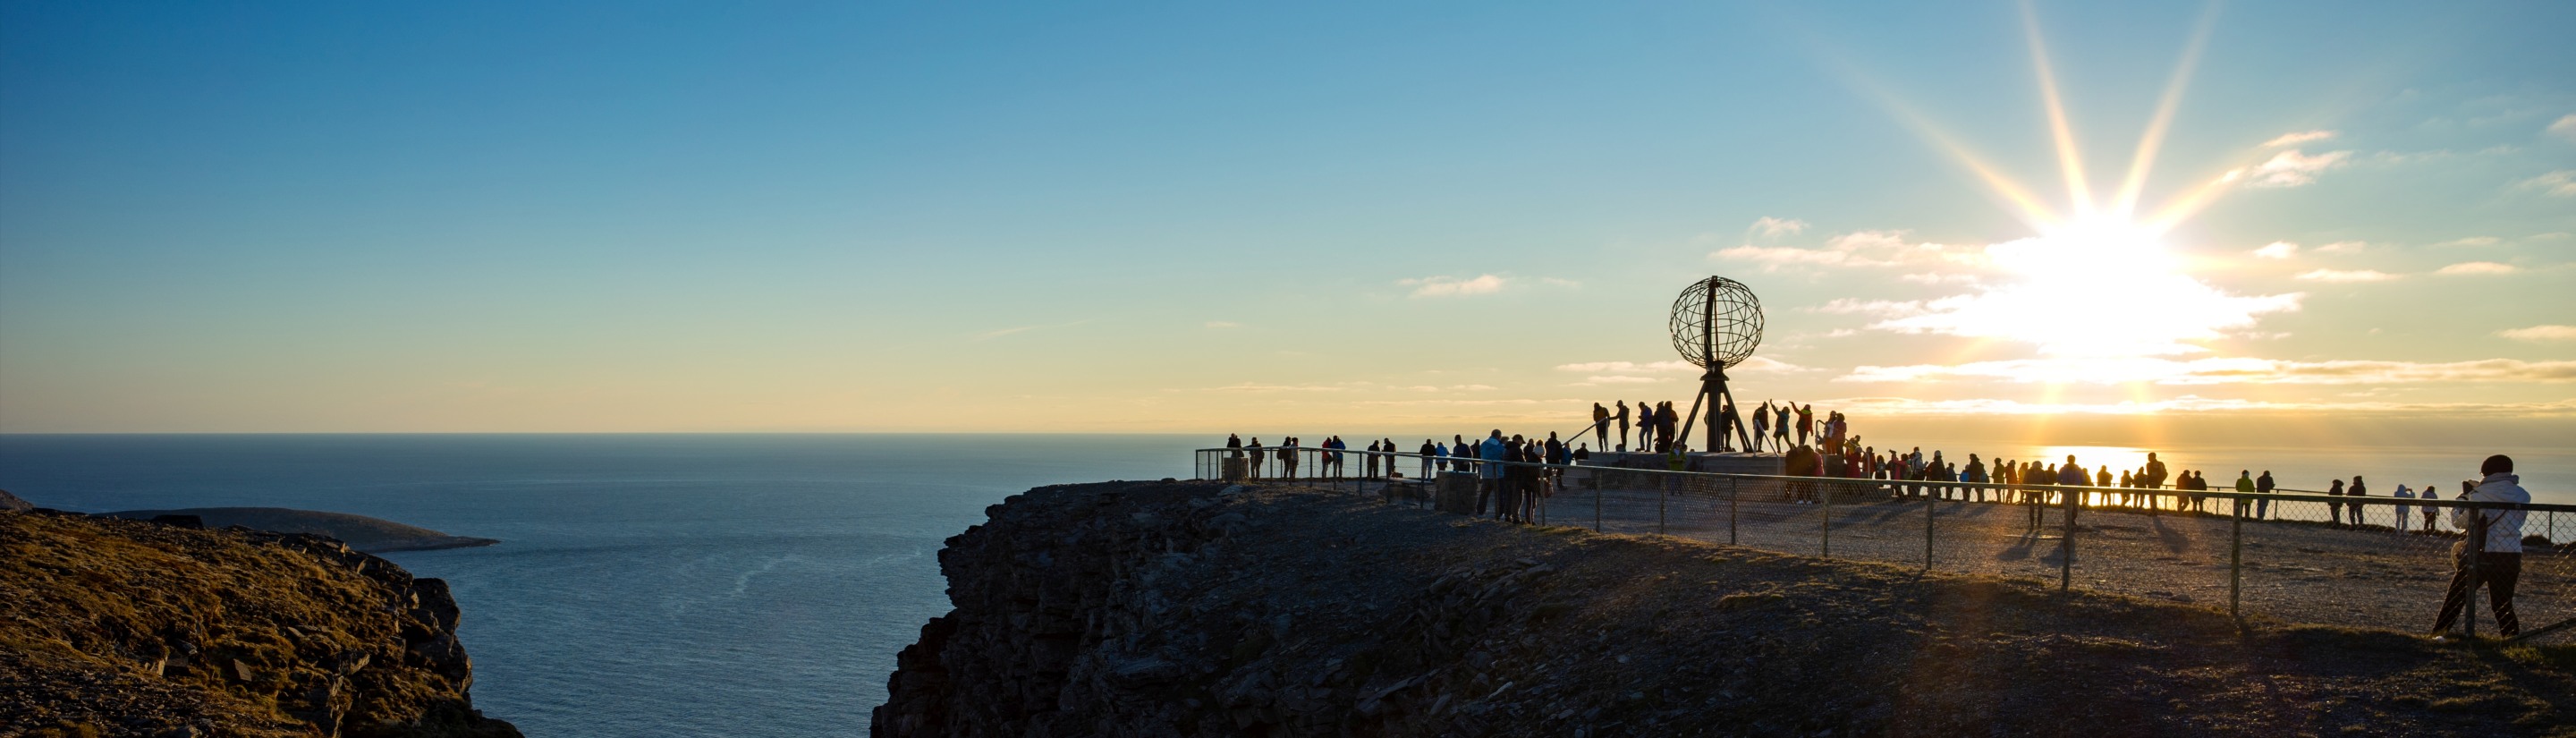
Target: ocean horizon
pixel 761 584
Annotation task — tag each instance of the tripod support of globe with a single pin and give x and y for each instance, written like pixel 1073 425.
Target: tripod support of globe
pixel 1725 417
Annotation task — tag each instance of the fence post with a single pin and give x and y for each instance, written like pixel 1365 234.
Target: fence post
pixel 1826 510
pixel 2477 548
pixel 1927 532
pixel 2235 559
pixel 1732 486
pixel 2066 544
pixel 1661 491
pixel 1596 504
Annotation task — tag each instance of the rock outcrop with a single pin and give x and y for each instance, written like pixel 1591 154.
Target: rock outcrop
pixel 1201 609
pixel 131 628
pixel 372 535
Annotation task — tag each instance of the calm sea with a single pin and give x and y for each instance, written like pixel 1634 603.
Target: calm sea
pixel 647 585
pixel 760 585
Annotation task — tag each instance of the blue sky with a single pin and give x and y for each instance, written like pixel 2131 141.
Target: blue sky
pixel 311 217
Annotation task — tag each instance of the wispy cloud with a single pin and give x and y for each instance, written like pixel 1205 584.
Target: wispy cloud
pixel 2185 404
pixel 1763 364
pixel 2294 168
pixel 2278 250
pixel 1627 372
pixel 1016 330
pixel 1446 286
pixel 1856 249
pixel 2343 247
pixel 1628 366
pixel 2561 183
pixel 2476 267
pixel 2541 333
pixel 2300 137
pixel 1769 226
pixel 2472 241
pixel 1618 379
pixel 2565 127
pixel 2221 371
pixel 1856 306
pixel 1255 387
pixel 2346 275
pixel 1554 282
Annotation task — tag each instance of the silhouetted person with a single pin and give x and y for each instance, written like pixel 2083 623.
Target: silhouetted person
pixel 2334 508
pixel 2432 524
pixel 1646 422
pixel 2491 553
pixel 2263 485
pixel 2071 475
pixel 1623 428
pixel 2399 520
pixel 1600 424
pixel 1761 426
pixel 2355 490
pixel 2244 484
pixel 1489 476
pixel 1780 427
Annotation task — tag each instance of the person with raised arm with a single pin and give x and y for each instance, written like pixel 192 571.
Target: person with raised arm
pixel 1761 426
pixel 1780 427
pixel 2491 553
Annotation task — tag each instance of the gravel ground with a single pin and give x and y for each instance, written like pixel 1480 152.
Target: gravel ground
pixel 2292 570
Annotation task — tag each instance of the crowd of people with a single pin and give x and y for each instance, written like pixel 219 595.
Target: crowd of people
pixel 2488 554
pixel 1657 427
pixel 1511 490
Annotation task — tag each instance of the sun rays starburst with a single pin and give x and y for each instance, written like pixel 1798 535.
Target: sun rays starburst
pixel 2095 282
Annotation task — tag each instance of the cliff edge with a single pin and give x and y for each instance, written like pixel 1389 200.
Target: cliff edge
pixel 128 628
pixel 372 535
pixel 1203 609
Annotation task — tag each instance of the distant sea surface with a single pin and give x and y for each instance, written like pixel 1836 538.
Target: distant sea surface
pixel 760 585
pixel 646 585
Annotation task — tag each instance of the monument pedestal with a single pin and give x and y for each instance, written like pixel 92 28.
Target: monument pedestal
pixel 1455 492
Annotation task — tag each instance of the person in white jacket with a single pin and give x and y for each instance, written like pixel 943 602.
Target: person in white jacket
pixel 2498 564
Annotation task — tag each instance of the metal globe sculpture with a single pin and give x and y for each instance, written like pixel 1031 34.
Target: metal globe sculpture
pixel 1716 323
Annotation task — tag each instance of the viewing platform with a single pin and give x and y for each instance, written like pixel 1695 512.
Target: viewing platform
pixel 1730 462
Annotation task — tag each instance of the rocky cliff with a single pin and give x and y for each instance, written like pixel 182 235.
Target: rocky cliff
pixel 1200 609
pixel 131 628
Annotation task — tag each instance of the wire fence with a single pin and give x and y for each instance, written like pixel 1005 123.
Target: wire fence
pixel 2292 555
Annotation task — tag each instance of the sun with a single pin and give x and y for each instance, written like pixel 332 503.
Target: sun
pixel 2097 287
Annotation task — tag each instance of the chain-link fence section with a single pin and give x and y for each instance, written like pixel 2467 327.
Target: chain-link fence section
pixel 2295 556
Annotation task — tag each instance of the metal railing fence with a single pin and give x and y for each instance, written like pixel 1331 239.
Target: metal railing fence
pixel 2292 555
